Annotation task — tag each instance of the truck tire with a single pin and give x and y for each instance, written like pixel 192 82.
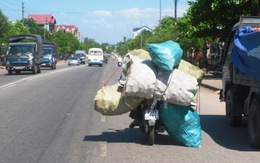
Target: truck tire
pixel 39 69
pixel 34 71
pixel 233 120
pixel 254 124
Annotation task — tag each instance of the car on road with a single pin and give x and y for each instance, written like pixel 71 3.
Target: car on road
pixel 73 61
pixel 82 58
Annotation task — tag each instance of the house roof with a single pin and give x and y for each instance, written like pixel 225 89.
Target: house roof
pixel 143 27
pixel 67 27
pixel 42 18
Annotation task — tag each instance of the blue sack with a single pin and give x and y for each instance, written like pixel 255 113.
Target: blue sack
pixel 246 40
pixel 165 55
pixel 182 123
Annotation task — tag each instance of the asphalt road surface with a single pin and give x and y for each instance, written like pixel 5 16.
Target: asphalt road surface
pixel 50 118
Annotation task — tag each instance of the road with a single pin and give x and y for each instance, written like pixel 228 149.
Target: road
pixel 49 118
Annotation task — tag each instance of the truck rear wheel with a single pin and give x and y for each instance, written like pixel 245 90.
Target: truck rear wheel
pixel 39 69
pixel 254 124
pixel 233 120
pixel 34 71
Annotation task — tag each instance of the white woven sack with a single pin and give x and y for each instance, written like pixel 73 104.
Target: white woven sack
pixel 140 78
pixel 161 83
pixel 181 87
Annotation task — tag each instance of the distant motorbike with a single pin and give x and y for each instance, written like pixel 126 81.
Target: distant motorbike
pixel 119 61
pixel 105 59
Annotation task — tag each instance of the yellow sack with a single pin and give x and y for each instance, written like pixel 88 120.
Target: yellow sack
pixel 189 68
pixel 109 101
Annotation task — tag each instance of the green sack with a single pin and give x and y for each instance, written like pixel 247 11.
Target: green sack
pixel 109 101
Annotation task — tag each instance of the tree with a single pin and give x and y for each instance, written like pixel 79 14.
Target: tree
pixel 164 31
pixel 33 27
pixel 62 41
pixel 4 27
pixel 123 48
pixel 215 18
pixel 91 43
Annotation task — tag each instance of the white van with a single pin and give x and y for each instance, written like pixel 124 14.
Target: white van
pixel 95 56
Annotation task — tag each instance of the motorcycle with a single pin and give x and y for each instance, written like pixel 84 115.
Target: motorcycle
pixel 146 116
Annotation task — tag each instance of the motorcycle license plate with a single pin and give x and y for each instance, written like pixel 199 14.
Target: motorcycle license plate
pixel 151 115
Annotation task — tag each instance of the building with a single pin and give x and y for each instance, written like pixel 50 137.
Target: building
pixel 68 28
pixel 46 21
pixel 138 30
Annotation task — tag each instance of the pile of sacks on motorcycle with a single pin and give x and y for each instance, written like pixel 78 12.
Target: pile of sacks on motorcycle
pixel 159 73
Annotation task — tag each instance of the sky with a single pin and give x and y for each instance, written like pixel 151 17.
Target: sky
pixel 105 21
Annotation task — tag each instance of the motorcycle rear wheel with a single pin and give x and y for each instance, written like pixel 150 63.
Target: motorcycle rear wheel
pixel 150 135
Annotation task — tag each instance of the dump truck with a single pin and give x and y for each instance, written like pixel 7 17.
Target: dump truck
pixel 25 53
pixel 49 55
pixel 241 76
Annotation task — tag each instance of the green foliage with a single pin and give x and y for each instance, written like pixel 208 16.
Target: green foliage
pixel 63 43
pixel 4 27
pixel 33 27
pixel 138 42
pixel 215 18
pixel 123 48
pixel 91 43
pixel 163 32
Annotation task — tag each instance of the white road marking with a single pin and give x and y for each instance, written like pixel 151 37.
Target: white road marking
pixel 34 76
pixel 15 83
pixel 103 149
pixel 103 118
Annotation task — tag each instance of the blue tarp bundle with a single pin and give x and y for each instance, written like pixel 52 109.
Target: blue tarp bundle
pixel 246 53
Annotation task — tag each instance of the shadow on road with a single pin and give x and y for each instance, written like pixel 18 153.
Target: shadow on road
pixel 234 138
pixel 130 136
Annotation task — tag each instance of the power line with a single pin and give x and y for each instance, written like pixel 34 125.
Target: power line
pixel 11 3
pixel 8 7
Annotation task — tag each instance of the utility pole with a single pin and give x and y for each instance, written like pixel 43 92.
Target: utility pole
pixel 160 11
pixel 141 42
pixel 23 12
pixel 45 28
pixel 175 10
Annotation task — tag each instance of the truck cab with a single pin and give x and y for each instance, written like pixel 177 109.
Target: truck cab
pixel 24 54
pixel 49 55
pixel 240 76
